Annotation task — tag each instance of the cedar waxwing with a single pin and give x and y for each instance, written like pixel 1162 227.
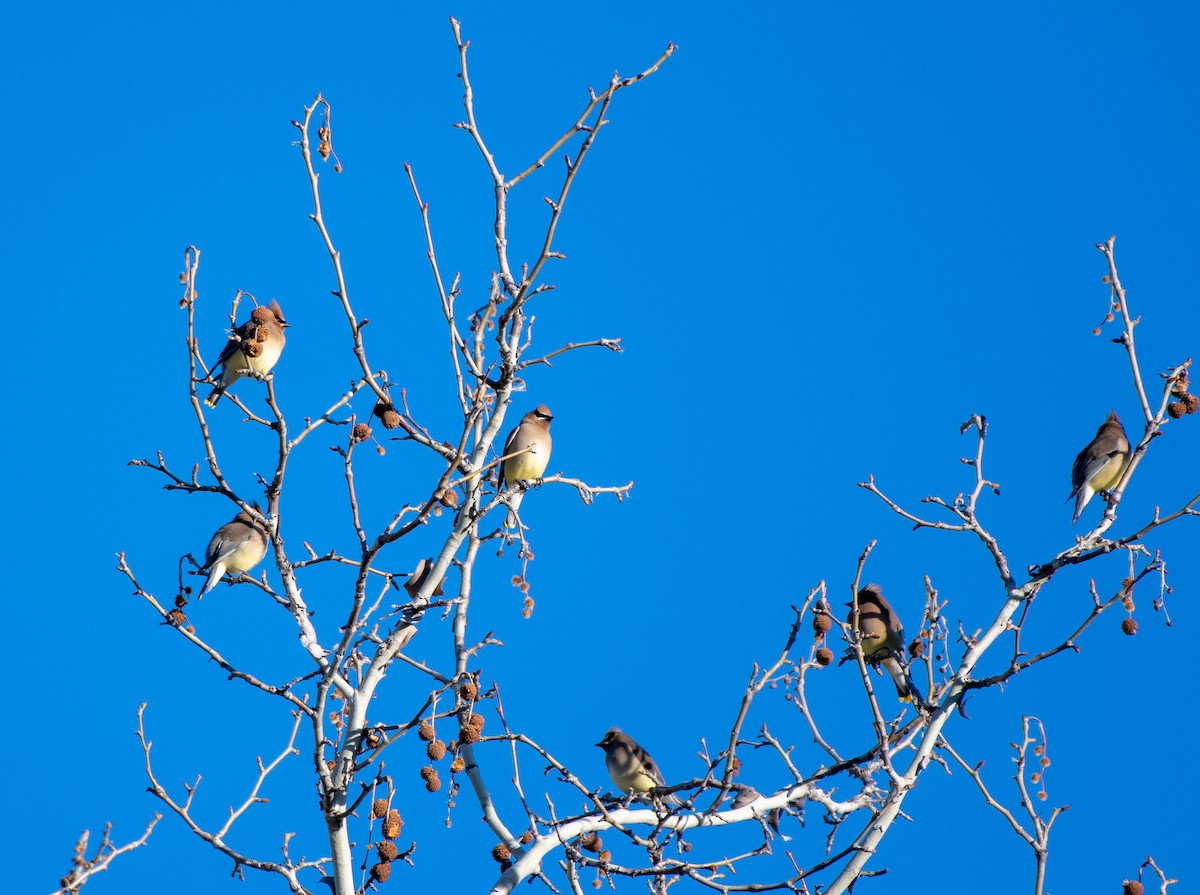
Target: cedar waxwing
pixel 1099 465
pixel 237 546
pixel 630 766
pixel 255 346
pixel 883 640
pixel 532 436
pixel 745 796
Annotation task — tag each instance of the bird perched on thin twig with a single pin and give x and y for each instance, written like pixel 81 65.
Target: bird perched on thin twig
pixel 530 442
pixel 630 766
pixel 237 546
pixel 1100 465
pixel 882 638
pixel 255 345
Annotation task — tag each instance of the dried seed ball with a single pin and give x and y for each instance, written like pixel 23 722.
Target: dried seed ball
pixel 449 499
pixel 436 750
pixel 526 838
pixel 381 871
pixel 180 601
pixel 1129 626
pixel 361 432
pixel 252 349
pixel 262 315
pixel 501 853
pixel 390 419
pixel 392 825
pixel 604 857
pixel 1176 410
pixel 916 649
pixel 469 732
pixel 590 842
pixel 176 617
pixel 386 851
pixel 1131 887
pixel 824 656
pixel 425 731
pixel 427 772
pixel 468 691
pixel 457 765
pixel 1191 402
pixel 737 765
pixel 379 808
pixel 821 623
pixel 434 783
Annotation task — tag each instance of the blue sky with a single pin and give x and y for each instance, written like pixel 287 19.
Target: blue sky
pixel 825 236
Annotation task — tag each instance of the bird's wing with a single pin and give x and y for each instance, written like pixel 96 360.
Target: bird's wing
pixel 225 544
pixel 1087 465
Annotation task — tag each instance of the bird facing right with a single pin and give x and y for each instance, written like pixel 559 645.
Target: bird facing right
pixel 1100 465
pixel 237 546
pixel 530 442
pixel 256 346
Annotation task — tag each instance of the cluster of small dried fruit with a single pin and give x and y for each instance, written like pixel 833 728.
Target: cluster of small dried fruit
pixel 1129 623
pixel 386 411
pixel 386 849
pixel 469 731
pixel 821 623
pixel 1185 402
pixel 430 775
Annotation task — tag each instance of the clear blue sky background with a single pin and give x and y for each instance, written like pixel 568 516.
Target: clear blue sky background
pixel 825 233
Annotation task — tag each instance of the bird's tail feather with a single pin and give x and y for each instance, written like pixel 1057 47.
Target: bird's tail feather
pixel 906 688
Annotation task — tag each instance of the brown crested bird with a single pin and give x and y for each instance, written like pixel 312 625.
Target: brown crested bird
pixel 530 442
pixel 1100 465
pixel 255 345
pixel 882 638
pixel 237 546
pixel 630 766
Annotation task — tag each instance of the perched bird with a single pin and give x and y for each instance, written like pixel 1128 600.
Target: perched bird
pixel 530 441
pixel 748 795
pixel 1099 465
pixel 256 345
pixel 238 545
pixel 630 766
pixel 883 640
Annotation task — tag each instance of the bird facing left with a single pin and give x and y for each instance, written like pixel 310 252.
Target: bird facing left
pixel 630 766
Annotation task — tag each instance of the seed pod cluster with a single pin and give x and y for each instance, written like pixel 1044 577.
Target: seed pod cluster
pixel 470 731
